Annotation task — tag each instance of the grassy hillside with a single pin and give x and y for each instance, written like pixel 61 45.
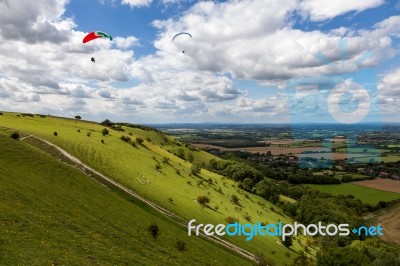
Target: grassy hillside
pixel 155 173
pixel 52 213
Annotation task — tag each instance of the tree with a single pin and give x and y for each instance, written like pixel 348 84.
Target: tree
pixel 15 135
pixel 288 242
pixel 154 230
pixel 78 117
pixel 235 199
pixel 203 200
pixel 195 169
pixel 105 131
pixel 139 141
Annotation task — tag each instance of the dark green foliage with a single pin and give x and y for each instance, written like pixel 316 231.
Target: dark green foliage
pixel 154 230
pixel 79 130
pixel 234 199
pixel 203 200
pixel 125 138
pixel 55 133
pixel 190 156
pixel 1 113
pixel 288 242
pixel 139 141
pixel 15 135
pixel 105 131
pixel 181 245
pixel 78 117
pixel 195 169
pixel 88 134
pixel 102 141
pixel 107 123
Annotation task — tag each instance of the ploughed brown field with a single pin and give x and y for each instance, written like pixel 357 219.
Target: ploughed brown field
pixel 381 183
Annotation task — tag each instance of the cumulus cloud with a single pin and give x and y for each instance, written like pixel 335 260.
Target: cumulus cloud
pixel 389 94
pixel 318 10
pixel 137 3
pixel 251 40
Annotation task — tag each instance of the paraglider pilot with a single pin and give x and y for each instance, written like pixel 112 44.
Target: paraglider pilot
pixel 93 60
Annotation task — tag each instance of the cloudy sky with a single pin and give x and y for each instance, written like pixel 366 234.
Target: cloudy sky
pixel 261 61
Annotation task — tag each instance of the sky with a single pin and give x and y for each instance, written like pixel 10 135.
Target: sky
pixel 247 61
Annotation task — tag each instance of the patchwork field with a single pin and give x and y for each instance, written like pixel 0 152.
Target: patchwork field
pixel 381 184
pixel 365 194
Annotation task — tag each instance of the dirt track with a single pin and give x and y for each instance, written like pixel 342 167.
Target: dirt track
pixel 75 162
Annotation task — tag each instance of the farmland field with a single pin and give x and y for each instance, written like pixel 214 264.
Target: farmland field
pixel 390 223
pixel 381 184
pixel 365 194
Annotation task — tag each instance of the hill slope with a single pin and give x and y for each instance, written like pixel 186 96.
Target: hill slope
pixel 152 170
pixel 52 213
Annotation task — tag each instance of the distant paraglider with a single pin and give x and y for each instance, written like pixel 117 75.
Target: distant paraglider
pixel 95 35
pixel 181 34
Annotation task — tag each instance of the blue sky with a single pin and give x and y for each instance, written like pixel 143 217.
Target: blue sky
pixel 236 68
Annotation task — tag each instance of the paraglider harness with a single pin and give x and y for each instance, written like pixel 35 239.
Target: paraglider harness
pixel 93 60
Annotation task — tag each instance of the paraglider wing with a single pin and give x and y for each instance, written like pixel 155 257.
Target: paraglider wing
pixel 94 35
pixel 181 33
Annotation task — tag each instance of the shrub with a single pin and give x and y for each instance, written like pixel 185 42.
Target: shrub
pixel 1 113
pixel 139 141
pixel 125 138
pixel 195 169
pixel 78 117
pixel 154 230
pixel 15 135
pixel 203 200
pixel 133 143
pixel 88 134
pixel 165 160
pixel 105 131
pixel 231 220
pixel 180 245
pixel 55 133
pixel 79 130
pixel 102 141
pixel 235 199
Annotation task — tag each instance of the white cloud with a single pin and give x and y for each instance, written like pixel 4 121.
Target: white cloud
pixel 137 3
pixel 389 95
pixel 318 10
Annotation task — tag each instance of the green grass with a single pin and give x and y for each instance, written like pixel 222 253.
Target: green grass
pixel 172 186
pixel 365 194
pixel 52 213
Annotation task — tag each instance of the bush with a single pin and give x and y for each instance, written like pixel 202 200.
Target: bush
pixel 235 199
pixel 105 131
pixel 139 141
pixel 195 169
pixel 78 117
pixel 15 135
pixel 88 134
pixel 231 220
pixel 154 230
pixel 1 113
pixel 102 141
pixel 180 245
pixel 79 131
pixel 203 200
pixel 125 138
pixel 55 133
